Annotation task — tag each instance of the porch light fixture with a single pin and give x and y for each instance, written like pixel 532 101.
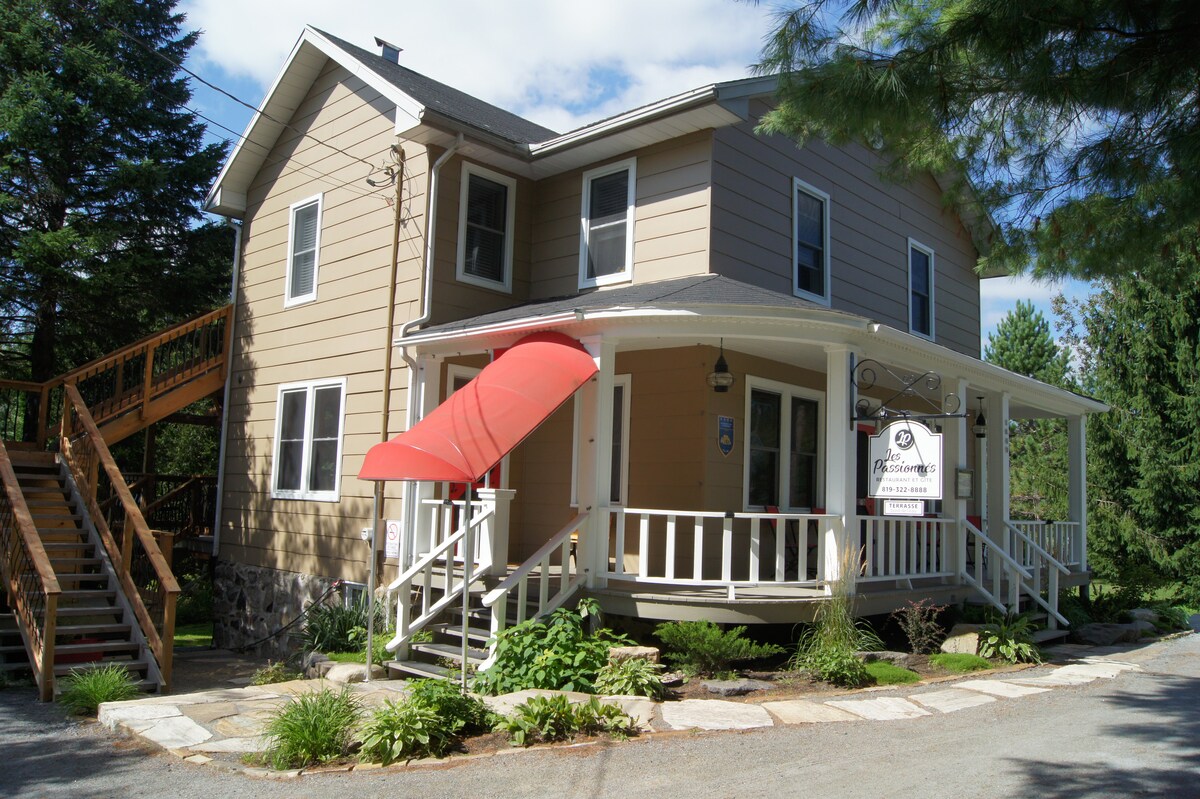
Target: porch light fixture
pixel 980 426
pixel 720 378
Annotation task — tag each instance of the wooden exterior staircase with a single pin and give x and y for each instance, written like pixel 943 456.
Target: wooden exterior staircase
pixel 87 584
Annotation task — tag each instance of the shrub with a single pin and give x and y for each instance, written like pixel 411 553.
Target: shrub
pixel 273 673
pixel 84 690
pixel 195 602
pixel 553 718
pixel 556 654
pixel 313 728
pixel 959 662
pixel 838 666
pixel 1011 639
pixel 701 647
pixel 919 621
pixel 402 730
pixel 828 647
pixel 885 673
pixel 466 713
pixel 340 628
pixel 631 677
pixel 1171 618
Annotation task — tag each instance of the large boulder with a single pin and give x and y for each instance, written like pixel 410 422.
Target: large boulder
pixel 737 687
pixel 354 672
pixel 898 659
pixel 618 654
pixel 1099 634
pixel 963 639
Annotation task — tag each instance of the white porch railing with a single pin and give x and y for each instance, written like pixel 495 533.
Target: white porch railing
pixel 1044 570
pixel 414 611
pixel 441 519
pixel 556 557
pixel 1059 539
pixel 985 565
pixel 712 549
pixel 905 548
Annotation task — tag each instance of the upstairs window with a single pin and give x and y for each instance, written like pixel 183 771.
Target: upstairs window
pixel 810 254
pixel 304 245
pixel 308 440
pixel 920 289
pixel 485 228
pixel 606 248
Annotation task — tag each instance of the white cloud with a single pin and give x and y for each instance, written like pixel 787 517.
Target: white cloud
pixel 559 63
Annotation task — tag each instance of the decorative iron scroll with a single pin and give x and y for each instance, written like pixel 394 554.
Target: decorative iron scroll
pixel 922 390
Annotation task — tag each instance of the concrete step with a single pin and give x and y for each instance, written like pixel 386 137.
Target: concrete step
pixel 1044 636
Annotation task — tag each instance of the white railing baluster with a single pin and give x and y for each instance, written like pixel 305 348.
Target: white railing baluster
pixel 644 546
pixel 619 554
pixel 669 556
pixel 755 544
pixel 522 599
pixel 781 553
pixel 698 551
pixel 727 550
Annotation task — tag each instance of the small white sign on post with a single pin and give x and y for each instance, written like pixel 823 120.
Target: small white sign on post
pixel 391 548
pixel 904 507
pixel 906 462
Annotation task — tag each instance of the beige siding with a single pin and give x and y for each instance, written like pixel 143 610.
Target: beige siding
pixel 670 220
pixel 339 335
pixel 870 223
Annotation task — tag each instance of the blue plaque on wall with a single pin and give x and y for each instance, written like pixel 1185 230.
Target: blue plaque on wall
pixel 725 434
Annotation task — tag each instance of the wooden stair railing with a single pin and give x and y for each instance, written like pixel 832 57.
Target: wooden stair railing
pixel 29 579
pixel 141 568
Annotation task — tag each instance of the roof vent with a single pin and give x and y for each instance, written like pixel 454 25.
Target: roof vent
pixel 388 50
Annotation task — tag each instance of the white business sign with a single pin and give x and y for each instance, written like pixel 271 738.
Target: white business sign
pixel 391 547
pixel 905 462
pixel 904 507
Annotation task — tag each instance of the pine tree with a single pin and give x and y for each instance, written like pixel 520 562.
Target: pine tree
pixel 1077 123
pixel 1140 347
pixel 1038 458
pixel 102 171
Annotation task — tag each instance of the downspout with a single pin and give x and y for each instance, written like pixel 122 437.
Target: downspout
pixel 237 263
pixel 415 401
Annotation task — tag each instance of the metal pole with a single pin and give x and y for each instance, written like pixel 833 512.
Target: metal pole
pixel 371 582
pixel 468 562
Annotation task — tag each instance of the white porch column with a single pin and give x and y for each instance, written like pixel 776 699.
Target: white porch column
pixel 493 549
pixel 1077 483
pixel 841 449
pixel 956 434
pixel 424 394
pixel 595 457
pixel 997 464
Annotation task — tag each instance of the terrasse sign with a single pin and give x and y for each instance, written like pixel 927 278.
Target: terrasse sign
pixel 906 462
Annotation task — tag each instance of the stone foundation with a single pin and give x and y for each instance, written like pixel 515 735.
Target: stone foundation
pixel 250 603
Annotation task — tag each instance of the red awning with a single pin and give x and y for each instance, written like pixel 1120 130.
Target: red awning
pixel 468 434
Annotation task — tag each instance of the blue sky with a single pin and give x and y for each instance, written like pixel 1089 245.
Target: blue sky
pixel 560 63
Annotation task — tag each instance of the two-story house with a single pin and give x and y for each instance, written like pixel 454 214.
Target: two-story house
pixel 664 352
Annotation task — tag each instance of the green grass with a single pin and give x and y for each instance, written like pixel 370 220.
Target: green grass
pixel 348 657
pixel 959 663
pixel 886 673
pixel 198 634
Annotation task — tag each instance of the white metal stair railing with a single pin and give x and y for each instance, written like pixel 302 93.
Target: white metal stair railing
pixel 422 573
pixel 976 551
pixel 1037 560
pixel 559 550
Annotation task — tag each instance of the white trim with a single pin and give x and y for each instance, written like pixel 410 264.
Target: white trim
pixel 784 390
pixel 913 244
pixel 585 213
pixel 457 370
pixel 300 299
pixel 799 185
pixel 463 276
pixel 309 387
pixel 626 383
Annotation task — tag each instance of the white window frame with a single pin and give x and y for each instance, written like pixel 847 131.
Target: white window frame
pixel 626 274
pixel 505 285
pixel 454 371
pixel 799 185
pixel 310 387
pixel 913 244
pixel 625 381
pixel 300 299
pixel 786 392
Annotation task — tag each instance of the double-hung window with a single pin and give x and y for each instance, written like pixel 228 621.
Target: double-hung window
pixel 308 440
pixel 304 247
pixel 783 439
pixel 810 246
pixel 606 245
pixel 485 228
pixel 920 289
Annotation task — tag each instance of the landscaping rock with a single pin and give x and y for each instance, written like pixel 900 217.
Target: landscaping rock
pixel 504 703
pixel 619 654
pixel 315 664
pixel 1107 634
pixel 737 687
pixel 1144 614
pixel 963 639
pixel 899 659
pixel 353 672
pixel 673 679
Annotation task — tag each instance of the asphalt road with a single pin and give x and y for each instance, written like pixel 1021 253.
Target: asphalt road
pixel 1135 735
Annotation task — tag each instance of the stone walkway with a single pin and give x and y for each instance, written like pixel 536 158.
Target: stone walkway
pixel 217 726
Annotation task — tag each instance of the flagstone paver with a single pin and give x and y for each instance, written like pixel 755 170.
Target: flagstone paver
pixel 1000 688
pixel 883 708
pixel 951 700
pixel 175 732
pixel 714 714
pixel 803 711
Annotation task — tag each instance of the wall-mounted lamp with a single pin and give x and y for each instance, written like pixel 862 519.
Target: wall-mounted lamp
pixel 980 426
pixel 720 378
